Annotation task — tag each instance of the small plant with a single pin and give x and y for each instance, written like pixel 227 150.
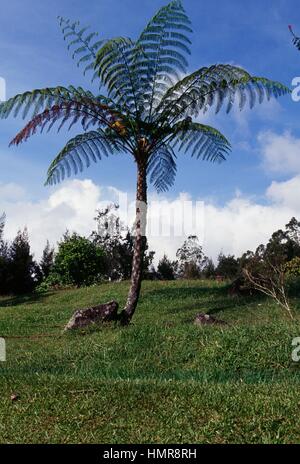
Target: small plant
pixel 269 278
pixel 292 268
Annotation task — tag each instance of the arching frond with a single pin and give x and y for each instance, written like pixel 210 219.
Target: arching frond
pixel 84 44
pixel 296 40
pixel 217 85
pixel 78 153
pixel 162 168
pixel 160 53
pixel 114 65
pixel 201 141
pixel 72 112
pixel 60 103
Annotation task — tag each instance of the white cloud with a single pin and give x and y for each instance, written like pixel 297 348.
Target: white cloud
pixel 239 225
pixel 71 206
pixel 281 152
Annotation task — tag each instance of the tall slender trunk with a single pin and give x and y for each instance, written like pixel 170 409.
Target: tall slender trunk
pixel 139 244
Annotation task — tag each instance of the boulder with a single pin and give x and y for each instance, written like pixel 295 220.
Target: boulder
pixel 101 313
pixel 206 319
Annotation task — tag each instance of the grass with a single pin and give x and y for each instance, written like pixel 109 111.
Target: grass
pixel 161 380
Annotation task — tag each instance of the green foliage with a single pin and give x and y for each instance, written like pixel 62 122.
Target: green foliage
pixel 166 269
pixel 47 260
pixel 117 242
pixel 191 258
pixel 228 266
pixel 78 261
pixel 79 151
pixel 296 40
pixel 148 109
pixel 208 269
pixel 21 271
pixel 86 44
pixel 292 268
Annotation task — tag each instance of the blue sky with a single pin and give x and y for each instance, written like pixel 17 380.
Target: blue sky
pixel 251 34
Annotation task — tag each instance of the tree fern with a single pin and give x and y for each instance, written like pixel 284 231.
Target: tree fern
pixel 147 110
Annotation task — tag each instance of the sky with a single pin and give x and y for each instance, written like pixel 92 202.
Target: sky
pixel 243 200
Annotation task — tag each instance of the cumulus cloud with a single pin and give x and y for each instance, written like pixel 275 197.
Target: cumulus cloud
pixel 281 152
pixel 235 227
pixel 240 224
pixel 71 206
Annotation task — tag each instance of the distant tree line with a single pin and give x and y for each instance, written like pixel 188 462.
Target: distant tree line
pixel 107 255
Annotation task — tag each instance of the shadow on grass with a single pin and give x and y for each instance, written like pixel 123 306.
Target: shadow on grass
pixel 16 300
pixel 212 300
pixel 188 292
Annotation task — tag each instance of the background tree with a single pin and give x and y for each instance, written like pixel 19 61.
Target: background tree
pixel 208 268
pixel 228 266
pixel 148 112
pixel 191 258
pixel 47 260
pixel 23 270
pixel 4 260
pixel 165 269
pixel 118 243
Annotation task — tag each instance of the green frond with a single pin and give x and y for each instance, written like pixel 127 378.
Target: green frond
pixel 57 102
pixel 114 67
pixel 296 40
pixel 217 85
pixel 201 141
pixel 78 153
pixel 83 44
pixel 162 46
pixel 162 168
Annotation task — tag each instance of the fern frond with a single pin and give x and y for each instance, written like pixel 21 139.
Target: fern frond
pixel 73 112
pixel 296 40
pixel 162 168
pixel 216 85
pixel 78 153
pixel 114 66
pixel 69 99
pixel 201 141
pixel 162 46
pixel 84 45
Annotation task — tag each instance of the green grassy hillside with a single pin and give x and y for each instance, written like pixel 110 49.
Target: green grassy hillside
pixel 161 380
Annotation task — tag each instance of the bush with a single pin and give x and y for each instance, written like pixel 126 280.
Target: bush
pixel 77 262
pixel 292 268
pixel 165 269
pixel 228 266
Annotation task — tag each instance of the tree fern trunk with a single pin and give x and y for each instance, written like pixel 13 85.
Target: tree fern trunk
pixel 139 244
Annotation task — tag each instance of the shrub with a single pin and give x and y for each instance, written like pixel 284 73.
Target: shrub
pixel 292 268
pixel 228 266
pixel 165 269
pixel 78 262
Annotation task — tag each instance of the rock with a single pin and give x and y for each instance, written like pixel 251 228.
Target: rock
pixel 102 313
pixel 14 397
pixel 206 319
